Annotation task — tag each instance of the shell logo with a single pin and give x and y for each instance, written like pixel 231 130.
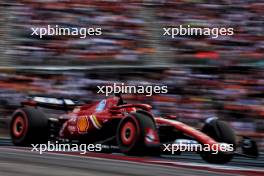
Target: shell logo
pixel 82 124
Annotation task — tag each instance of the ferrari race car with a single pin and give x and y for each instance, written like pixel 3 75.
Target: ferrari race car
pixel 130 128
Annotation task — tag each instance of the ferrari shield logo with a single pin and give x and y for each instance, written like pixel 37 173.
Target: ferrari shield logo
pixel 82 124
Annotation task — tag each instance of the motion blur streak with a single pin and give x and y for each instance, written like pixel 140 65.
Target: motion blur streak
pixel 206 76
pixel 23 163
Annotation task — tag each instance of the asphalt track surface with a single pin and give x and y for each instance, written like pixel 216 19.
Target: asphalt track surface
pixel 18 161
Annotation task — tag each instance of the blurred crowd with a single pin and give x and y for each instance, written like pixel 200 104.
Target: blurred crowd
pixel 223 76
pixel 244 16
pixel 127 32
pixel 122 32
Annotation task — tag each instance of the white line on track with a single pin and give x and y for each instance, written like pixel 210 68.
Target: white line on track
pixel 211 166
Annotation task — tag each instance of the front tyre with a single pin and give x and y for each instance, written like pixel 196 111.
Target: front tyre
pixel 137 135
pixel 29 126
pixel 221 132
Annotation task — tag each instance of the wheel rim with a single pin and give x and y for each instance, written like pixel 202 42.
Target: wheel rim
pixel 128 133
pixel 19 126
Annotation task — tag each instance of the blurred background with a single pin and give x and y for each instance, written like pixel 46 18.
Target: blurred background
pixel 205 76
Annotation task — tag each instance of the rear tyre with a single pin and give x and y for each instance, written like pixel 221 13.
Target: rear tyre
pixel 221 132
pixel 137 135
pixel 29 126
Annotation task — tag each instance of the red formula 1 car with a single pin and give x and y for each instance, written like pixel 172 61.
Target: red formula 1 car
pixel 131 128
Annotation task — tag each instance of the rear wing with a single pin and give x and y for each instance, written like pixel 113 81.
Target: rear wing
pixel 51 103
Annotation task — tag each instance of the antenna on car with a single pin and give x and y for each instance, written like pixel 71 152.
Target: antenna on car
pixel 118 95
pixel 121 101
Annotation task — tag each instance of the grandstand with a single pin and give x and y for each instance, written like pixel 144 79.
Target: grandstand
pixel 132 32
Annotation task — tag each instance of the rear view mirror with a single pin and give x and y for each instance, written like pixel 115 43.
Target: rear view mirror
pixel 249 147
